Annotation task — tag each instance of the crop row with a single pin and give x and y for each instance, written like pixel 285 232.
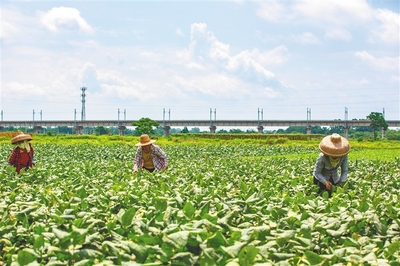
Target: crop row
pixel 215 205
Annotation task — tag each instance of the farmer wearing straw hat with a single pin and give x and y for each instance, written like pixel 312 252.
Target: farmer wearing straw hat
pixel 334 149
pixel 22 155
pixel 149 156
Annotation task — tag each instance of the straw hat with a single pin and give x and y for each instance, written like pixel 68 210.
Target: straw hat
pixel 145 140
pixel 20 137
pixel 334 145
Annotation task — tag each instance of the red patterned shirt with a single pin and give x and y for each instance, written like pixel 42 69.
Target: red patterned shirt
pixel 21 158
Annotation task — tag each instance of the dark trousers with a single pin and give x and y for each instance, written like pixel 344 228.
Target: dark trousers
pixel 322 186
pixel 150 170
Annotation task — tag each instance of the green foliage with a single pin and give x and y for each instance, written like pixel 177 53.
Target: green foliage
pixel 145 126
pixel 100 130
pixel 216 205
pixel 185 130
pixel 377 122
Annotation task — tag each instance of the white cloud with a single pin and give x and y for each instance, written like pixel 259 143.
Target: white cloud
pixel 306 38
pixel 364 81
pixel 205 46
pixel 389 29
pixel 339 12
pixel 277 56
pixel 273 11
pixel 7 29
pixel 66 18
pixel 270 93
pixel 383 63
pixel 395 78
pixel 9 20
pixel 233 68
pixel 219 50
pixel 179 32
pixel 213 84
pixel 318 13
pixel 15 25
pixel 338 34
pixel 18 89
pixel 249 66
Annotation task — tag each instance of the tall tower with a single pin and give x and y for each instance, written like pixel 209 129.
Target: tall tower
pixel 83 114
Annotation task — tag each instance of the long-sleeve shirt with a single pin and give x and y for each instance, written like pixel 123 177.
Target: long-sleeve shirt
pixel 160 159
pixel 324 171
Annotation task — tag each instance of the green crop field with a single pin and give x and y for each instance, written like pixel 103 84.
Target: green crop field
pixel 220 203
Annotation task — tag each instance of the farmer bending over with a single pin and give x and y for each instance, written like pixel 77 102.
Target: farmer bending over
pixel 149 156
pixel 22 155
pixel 334 149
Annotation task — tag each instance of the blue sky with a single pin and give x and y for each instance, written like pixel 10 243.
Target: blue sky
pixel 235 57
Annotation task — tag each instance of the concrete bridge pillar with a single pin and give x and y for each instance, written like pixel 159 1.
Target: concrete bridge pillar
pixel 308 130
pixel 166 130
pixel 383 133
pixel 78 130
pixel 37 129
pixel 346 132
pixel 212 129
pixel 260 129
pixel 121 130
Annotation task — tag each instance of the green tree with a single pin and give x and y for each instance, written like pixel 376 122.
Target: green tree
pixel 185 130
pixel 235 131
pixel 195 130
pixel 377 122
pixel 145 126
pixel 296 129
pixel 100 130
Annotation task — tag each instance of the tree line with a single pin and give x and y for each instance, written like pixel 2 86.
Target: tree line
pixel 148 126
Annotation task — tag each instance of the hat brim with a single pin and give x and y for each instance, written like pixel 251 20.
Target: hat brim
pixel 146 143
pixel 334 154
pixel 334 146
pixel 21 138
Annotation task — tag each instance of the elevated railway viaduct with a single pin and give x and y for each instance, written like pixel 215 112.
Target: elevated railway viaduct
pixel 212 124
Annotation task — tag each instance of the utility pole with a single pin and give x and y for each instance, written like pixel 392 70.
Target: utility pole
pixel 83 95
pixel 260 111
pixel 163 117
pixel 33 118
pixel 308 127
pixel 118 116
pixel 308 114
pixel 210 117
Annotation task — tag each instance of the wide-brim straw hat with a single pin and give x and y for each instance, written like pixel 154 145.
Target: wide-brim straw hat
pixel 334 145
pixel 20 137
pixel 145 140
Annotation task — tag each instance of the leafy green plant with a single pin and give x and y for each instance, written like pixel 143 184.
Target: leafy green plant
pixel 215 205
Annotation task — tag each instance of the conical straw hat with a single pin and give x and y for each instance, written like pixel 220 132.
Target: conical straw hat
pixel 21 136
pixel 334 145
pixel 145 140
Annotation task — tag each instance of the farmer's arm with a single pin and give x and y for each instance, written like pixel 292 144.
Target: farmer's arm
pixel 344 169
pixel 319 165
pixel 137 161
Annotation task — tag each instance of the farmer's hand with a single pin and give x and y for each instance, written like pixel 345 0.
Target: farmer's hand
pixel 328 185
